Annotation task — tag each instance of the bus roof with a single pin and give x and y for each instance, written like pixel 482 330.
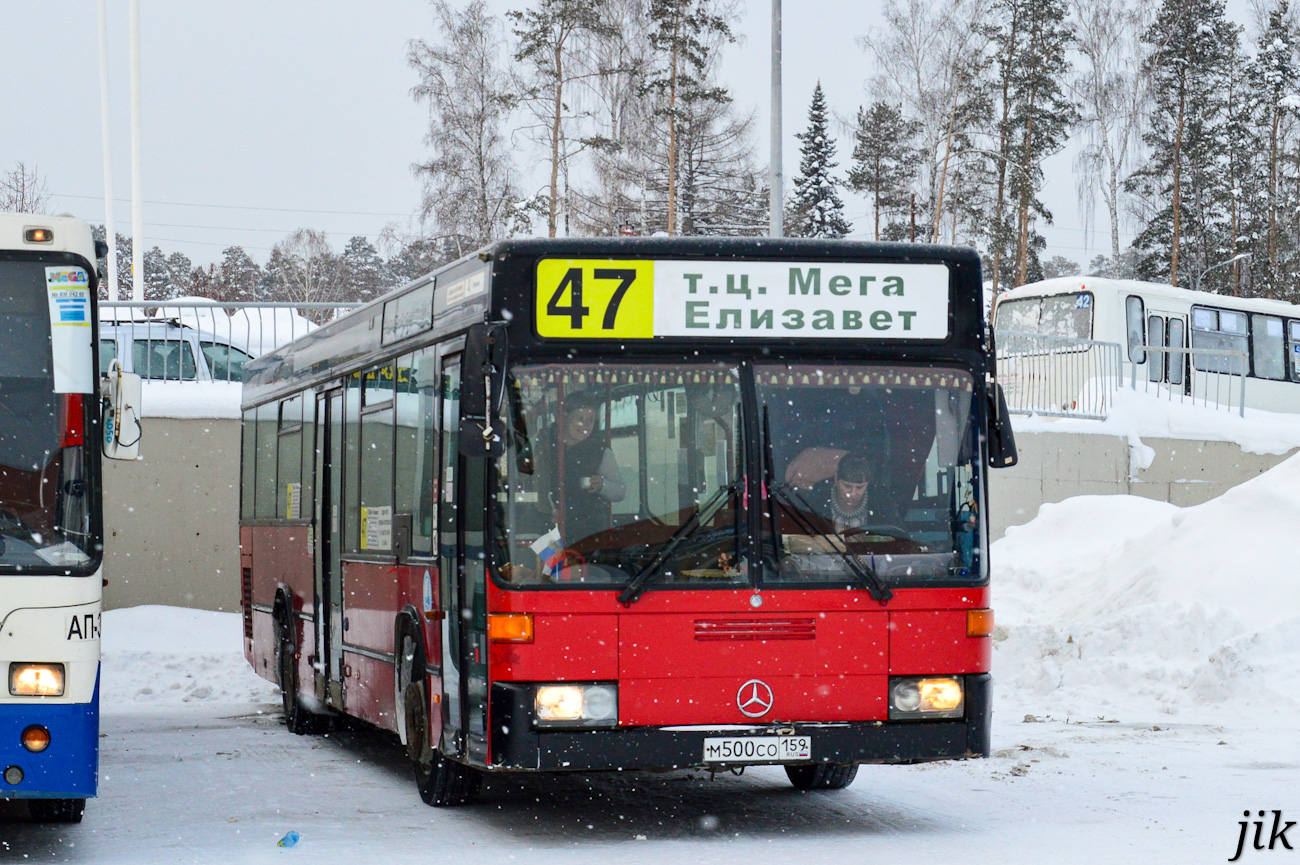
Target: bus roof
pixel 1104 285
pixel 69 234
pixel 458 300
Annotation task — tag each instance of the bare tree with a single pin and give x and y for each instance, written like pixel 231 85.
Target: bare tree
pixel 303 268
pixel 469 182
pixel 930 57
pixel 1111 92
pixel 23 190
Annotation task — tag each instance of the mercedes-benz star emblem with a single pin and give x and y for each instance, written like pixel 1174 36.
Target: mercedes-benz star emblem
pixel 754 699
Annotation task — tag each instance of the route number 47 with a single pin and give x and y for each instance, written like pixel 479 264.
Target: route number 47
pixel 595 299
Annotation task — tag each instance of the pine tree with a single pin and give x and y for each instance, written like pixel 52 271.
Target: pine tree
pixel 815 208
pixel 684 35
pixel 553 44
pixel 364 271
pixel 1031 40
pixel 1185 179
pixel 885 158
pixel 1274 81
pixel 239 278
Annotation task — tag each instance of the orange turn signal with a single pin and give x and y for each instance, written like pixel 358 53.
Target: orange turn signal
pixel 36 738
pixel 979 623
pixel 510 627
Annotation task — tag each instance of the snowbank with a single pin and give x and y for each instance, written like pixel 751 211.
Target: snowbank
pixel 1135 413
pixel 166 657
pixel 1119 604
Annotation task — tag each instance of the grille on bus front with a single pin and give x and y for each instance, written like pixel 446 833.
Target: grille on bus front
pixel 756 629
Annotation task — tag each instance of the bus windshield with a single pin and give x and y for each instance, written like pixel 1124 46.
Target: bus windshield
pixel 868 461
pixel 607 467
pixel 44 504
pixel 612 472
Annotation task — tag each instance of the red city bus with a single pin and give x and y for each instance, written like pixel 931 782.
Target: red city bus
pixel 574 505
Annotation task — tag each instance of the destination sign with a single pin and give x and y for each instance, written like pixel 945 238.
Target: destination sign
pixel 639 299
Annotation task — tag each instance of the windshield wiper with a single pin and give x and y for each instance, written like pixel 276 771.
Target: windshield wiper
pixel 865 575
pixel 637 587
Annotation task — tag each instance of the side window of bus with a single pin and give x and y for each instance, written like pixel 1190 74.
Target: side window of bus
pixel 417 446
pixel 1219 330
pixel 1268 349
pixel 288 489
pixel 1293 348
pixel 268 421
pixel 1136 338
pixel 1177 360
pixel 248 454
pixel 1156 340
pixel 376 502
pixel 351 463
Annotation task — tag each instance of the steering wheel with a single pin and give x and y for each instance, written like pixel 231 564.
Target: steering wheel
pixel 887 529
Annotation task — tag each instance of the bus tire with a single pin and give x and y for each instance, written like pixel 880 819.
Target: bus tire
pixel 441 782
pixel 823 776
pixel 56 810
pixel 298 718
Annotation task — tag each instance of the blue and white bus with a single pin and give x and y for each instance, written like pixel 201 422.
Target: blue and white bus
pixel 52 416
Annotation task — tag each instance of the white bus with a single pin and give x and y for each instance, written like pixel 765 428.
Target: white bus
pixel 1184 341
pixel 51 525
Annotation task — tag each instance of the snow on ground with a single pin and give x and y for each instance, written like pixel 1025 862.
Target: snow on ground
pixel 191 399
pixel 1133 414
pixel 1146 662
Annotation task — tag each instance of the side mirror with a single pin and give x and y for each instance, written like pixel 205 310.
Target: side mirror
pixel 120 393
pixel 1002 440
pixel 483 372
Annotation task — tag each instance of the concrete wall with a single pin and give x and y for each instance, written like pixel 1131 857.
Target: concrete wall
pixel 171 519
pixel 1056 466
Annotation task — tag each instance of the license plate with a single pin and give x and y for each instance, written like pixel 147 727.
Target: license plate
pixel 757 749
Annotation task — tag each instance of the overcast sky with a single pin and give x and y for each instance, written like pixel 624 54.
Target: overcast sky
pixel 261 117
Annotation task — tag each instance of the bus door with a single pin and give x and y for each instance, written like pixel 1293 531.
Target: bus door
pixel 461 516
pixel 329 572
pixel 1167 330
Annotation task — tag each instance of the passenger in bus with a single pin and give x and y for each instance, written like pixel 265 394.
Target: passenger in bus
pixel 590 474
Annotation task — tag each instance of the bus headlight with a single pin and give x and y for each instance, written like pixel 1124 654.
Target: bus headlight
pixel 576 705
pixel 921 697
pixel 35 680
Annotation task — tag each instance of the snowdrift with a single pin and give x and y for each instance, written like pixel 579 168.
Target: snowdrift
pixel 1117 605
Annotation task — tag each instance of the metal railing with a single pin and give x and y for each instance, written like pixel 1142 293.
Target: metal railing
pixel 1057 376
pixel 195 340
pixel 1183 382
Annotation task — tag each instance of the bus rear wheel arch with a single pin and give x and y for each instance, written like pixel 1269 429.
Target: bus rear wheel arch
pixel 297 717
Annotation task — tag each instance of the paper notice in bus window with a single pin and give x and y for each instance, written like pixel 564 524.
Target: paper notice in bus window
pixel 70 331
pixel 377 528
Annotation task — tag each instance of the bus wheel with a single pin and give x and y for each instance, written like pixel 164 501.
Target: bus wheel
pixel 441 781
pixel 297 717
pixel 56 810
pixel 823 776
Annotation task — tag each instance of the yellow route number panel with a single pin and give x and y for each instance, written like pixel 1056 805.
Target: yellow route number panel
pixel 595 299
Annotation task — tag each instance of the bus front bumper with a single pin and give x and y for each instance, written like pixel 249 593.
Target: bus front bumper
pixel 69 767
pixel 650 748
